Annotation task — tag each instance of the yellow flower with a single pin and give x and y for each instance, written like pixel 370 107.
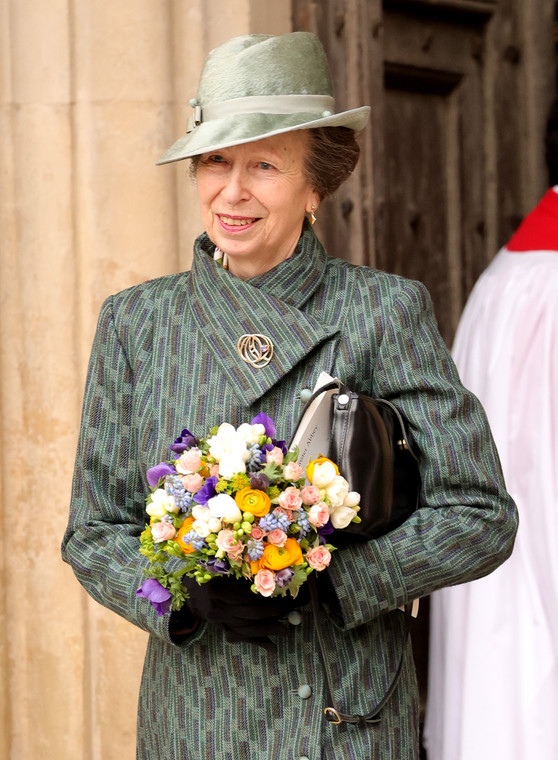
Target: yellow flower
pixel 279 557
pixel 319 460
pixel 254 501
pixel 185 528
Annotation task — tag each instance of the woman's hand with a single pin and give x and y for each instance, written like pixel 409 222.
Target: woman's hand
pixel 245 616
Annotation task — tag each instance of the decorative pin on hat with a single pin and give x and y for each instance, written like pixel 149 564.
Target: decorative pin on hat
pixel 257 86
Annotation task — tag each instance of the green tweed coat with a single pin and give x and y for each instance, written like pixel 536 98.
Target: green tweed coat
pixel 165 358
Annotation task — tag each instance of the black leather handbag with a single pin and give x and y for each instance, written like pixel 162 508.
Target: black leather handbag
pixel 369 443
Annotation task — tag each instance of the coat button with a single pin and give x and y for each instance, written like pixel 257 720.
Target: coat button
pixel 305 394
pixel 304 691
pixel 294 617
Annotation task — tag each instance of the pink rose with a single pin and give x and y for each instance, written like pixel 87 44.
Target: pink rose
pixel 229 544
pixel 275 456
pixel 257 533
pixel 189 462
pixel 214 470
pixel 290 498
pixel 264 581
pixel 277 537
pixel 318 515
pixel 310 495
pixel 162 531
pixel 318 558
pixel 192 483
pixel 293 471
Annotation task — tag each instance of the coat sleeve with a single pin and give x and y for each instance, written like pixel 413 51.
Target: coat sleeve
pixel 107 512
pixel 466 523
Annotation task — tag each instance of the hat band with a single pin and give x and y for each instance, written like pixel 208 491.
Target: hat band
pixel 324 105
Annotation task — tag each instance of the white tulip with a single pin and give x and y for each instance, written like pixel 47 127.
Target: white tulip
pixel 352 499
pixel 337 491
pixel 323 474
pixel 201 513
pixel 214 524
pixel 342 516
pixel 201 528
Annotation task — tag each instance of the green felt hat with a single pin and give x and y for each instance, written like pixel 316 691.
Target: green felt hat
pixel 258 85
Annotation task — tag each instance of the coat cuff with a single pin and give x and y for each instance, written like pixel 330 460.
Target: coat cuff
pixel 367 580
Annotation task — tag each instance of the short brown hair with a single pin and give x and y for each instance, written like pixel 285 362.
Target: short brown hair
pixel 333 153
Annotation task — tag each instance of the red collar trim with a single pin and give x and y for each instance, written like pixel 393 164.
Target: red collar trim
pixel 539 229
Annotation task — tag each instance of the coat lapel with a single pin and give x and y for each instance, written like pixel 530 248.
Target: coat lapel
pixel 225 308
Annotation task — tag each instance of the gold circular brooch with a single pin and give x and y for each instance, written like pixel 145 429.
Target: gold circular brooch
pixel 256 350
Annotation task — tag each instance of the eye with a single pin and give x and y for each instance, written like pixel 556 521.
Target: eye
pixel 264 165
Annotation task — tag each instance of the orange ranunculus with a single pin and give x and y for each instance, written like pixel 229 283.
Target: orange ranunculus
pixel 186 527
pixel 256 566
pixel 254 501
pixel 319 460
pixel 279 557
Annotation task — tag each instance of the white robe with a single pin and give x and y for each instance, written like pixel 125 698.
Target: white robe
pixel 493 681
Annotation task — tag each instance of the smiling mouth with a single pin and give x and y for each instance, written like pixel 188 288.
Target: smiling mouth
pixel 237 221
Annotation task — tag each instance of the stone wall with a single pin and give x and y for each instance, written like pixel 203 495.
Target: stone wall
pixel 91 93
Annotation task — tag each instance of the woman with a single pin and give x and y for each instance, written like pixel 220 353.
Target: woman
pixel 268 147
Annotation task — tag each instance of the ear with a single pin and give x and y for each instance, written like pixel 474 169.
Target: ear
pixel 313 201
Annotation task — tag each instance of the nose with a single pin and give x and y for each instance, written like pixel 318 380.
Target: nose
pixel 235 188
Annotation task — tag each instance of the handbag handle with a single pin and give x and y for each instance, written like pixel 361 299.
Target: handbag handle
pixel 332 713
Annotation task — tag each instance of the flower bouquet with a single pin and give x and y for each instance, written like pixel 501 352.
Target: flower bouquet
pixel 237 503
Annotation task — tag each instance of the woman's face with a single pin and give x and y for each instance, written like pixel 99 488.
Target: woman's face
pixel 253 199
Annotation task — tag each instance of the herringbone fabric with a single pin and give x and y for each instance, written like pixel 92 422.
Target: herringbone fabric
pixel 164 357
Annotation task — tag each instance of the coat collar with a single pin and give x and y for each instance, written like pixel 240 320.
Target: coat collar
pixel 271 304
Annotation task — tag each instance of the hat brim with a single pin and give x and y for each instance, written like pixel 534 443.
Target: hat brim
pixel 244 128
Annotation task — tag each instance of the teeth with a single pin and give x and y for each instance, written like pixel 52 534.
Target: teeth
pixel 236 222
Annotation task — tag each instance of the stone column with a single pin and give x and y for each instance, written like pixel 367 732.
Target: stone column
pixel 91 94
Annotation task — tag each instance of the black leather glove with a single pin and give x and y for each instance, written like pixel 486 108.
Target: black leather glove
pixel 245 616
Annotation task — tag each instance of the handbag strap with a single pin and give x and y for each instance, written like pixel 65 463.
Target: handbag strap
pixel 332 713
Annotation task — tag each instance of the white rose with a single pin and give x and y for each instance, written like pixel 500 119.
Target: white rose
pixel 337 491
pixel 201 528
pixel 342 516
pixel 352 499
pixel 225 508
pixel 323 474
pixel 161 503
pixel 201 513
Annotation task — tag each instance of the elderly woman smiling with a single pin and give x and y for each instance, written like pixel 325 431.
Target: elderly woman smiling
pixel 235 675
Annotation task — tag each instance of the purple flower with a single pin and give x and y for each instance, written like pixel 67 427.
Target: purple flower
pixel 267 422
pixel 158 595
pixel 154 474
pixel 207 492
pixel 219 566
pixel 280 445
pixel 259 482
pixel 326 530
pixel 284 577
pixel 270 446
pixel 186 440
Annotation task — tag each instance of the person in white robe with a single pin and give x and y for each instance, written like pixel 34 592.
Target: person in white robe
pixel 493 663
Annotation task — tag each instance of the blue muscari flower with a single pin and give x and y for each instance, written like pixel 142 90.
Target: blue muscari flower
pixel 282 520
pixel 255 549
pixel 197 542
pixel 182 497
pixel 255 461
pixel 303 522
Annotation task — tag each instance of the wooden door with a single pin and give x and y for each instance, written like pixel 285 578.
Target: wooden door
pixel 452 158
